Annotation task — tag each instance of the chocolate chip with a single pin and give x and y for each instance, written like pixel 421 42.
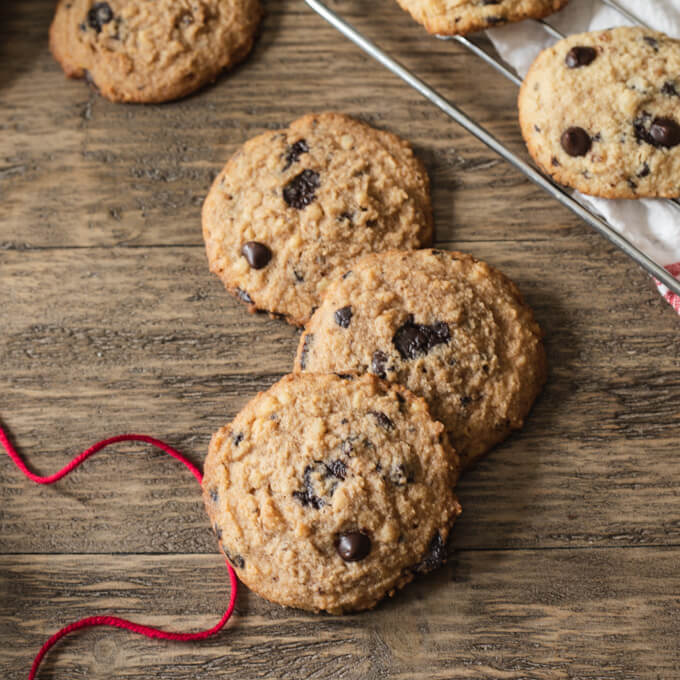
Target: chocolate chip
pixel 652 42
pixel 580 56
pixel 237 439
pixel 659 132
pixel 315 484
pixel 353 546
pixel 384 422
pixel 301 190
pixel 343 316
pixel 214 495
pixel 337 468
pixel 257 254
pixel 576 141
pixel 670 89
pixel 309 339
pixel 244 296
pixel 378 364
pixel 294 152
pixel 236 560
pixel 412 339
pixel 435 556
pixel 644 171
pixel 100 14
pixel 665 132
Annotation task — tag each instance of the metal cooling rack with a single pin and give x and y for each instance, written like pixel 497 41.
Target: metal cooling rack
pixel 563 195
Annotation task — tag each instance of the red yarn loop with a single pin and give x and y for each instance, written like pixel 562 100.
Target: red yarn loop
pixel 113 621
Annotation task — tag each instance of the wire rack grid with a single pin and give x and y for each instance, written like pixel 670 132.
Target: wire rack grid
pixel 560 193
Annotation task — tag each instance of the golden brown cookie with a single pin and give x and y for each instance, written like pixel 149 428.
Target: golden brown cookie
pixel 450 328
pixel 458 17
pixel 328 492
pixel 293 208
pixel 151 50
pixel 600 112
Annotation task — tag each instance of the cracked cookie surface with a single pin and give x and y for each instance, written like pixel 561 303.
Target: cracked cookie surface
pixel 458 17
pixel 329 492
pixel 151 50
pixel 600 112
pixel 292 208
pixel 448 327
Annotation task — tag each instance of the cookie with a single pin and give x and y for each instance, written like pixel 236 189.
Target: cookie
pixel 329 492
pixel 448 327
pixel 151 50
pixel 600 112
pixel 459 17
pixel 292 208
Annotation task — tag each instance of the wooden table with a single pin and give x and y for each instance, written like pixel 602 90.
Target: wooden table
pixel 566 562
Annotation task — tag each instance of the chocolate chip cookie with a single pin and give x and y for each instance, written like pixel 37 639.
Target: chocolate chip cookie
pixel 600 112
pixel 450 328
pixel 458 17
pixel 292 208
pixel 329 492
pixel 151 50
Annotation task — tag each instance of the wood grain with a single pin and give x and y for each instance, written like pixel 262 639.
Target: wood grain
pixel 565 562
pixel 602 613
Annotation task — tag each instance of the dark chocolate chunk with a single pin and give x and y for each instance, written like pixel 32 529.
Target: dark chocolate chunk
pixel 257 254
pixel 378 363
pixel 665 132
pixel 384 422
pixel 337 468
pixel 644 171
pixel 580 56
pixel 343 316
pixel 236 560
pixel 100 14
pixel 309 339
pixel 315 484
pixel 435 556
pixel 670 89
pixel 652 42
pixel 413 340
pixel 353 546
pixel 659 132
pixel 576 141
pixel 294 152
pixel 301 190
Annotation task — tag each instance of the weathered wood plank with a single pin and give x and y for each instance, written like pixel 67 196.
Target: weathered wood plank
pixel 543 615
pixel 101 341
pixel 78 170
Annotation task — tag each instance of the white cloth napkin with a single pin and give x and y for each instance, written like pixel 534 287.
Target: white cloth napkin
pixel 652 225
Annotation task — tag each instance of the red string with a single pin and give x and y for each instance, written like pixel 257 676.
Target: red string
pixel 113 621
